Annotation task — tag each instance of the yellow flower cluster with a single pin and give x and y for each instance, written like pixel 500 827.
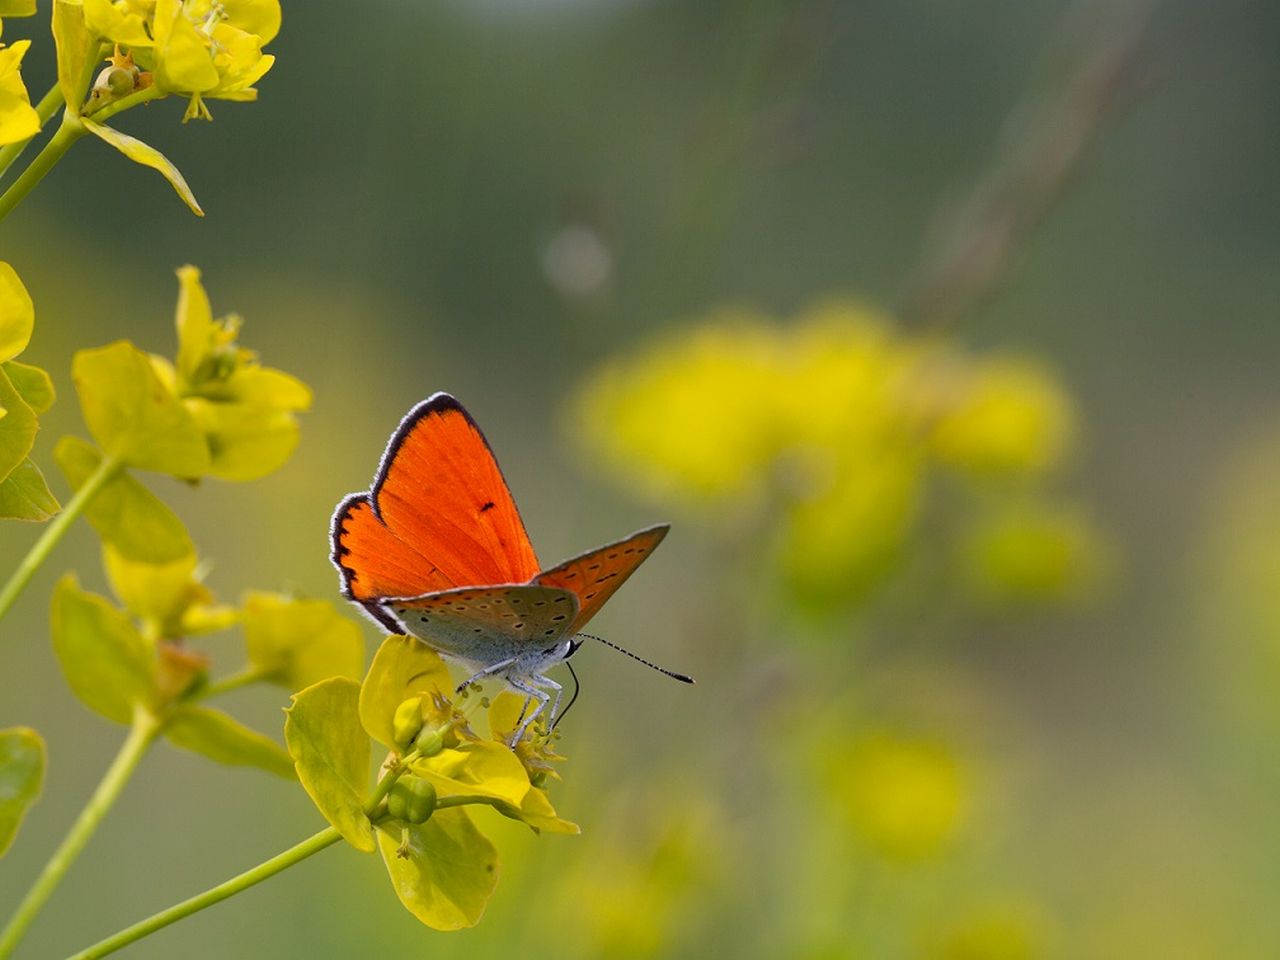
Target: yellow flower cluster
pixel 202 49
pixel 837 432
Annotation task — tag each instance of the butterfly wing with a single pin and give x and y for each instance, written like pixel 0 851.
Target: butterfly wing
pixel 594 576
pixel 439 514
pixel 487 625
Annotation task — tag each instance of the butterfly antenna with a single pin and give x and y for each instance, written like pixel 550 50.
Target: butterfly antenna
pixel 577 689
pixel 670 673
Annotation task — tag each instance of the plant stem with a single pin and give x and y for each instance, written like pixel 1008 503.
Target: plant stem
pixel 141 735
pixel 107 471
pixel 68 133
pixel 222 891
pixel 251 877
pixel 45 109
pixel 124 103
pixel 232 682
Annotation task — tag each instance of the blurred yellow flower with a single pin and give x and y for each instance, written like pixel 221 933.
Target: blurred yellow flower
pixel 694 418
pixel 838 542
pixel 830 431
pixel 1011 418
pixel 907 798
pixel 1033 552
pixel 638 886
pixel 1006 929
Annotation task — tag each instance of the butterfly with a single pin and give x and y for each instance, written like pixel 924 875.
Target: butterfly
pixel 436 549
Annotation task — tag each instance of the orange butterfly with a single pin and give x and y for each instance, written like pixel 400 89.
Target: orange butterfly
pixel 436 549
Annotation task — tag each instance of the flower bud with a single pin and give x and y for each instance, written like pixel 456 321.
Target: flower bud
pixel 429 744
pixel 412 800
pixel 407 721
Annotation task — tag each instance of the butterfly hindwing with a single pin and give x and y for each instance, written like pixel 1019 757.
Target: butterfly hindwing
pixel 439 514
pixel 594 576
pixel 486 625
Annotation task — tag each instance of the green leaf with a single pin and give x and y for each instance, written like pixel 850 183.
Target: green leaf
pixel 17 314
pixel 450 871
pixel 76 47
pixel 21 773
pixel 402 668
pixel 322 729
pixel 133 415
pixel 17 8
pixel 219 737
pixel 35 386
pixel 296 643
pixel 148 156
pixel 108 664
pixel 25 496
pixel 125 513
pixel 246 441
pixel 18 427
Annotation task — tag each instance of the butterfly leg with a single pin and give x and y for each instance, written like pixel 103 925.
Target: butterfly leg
pixel 486 672
pixel 555 705
pixel 532 693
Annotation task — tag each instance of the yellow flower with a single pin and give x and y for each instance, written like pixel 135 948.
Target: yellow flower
pixel 536 750
pixel 1033 552
pixel 458 763
pixel 830 430
pixel 170 600
pixel 907 798
pixel 843 369
pixel 18 119
pixel 1011 418
pixel 247 411
pixel 212 48
pixel 693 418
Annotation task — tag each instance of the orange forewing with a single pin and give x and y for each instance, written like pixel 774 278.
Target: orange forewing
pixel 439 496
pixel 375 562
pixel 595 575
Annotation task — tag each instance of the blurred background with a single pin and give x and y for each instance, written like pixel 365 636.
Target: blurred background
pixel 943 334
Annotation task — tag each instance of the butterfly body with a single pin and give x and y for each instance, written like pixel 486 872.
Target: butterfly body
pixel 436 549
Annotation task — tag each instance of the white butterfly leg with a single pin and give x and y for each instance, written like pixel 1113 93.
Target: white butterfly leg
pixel 486 672
pixel 531 693
pixel 555 706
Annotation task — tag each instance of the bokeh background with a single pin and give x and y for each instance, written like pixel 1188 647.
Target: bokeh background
pixel 965 708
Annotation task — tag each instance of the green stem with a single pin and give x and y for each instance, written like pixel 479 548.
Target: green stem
pixel 107 471
pixel 45 109
pixel 244 881
pixel 141 735
pixel 68 133
pixel 314 844
pixel 124 103
pixel 233 682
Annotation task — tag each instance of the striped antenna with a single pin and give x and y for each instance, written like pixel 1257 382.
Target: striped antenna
pixel 670 673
